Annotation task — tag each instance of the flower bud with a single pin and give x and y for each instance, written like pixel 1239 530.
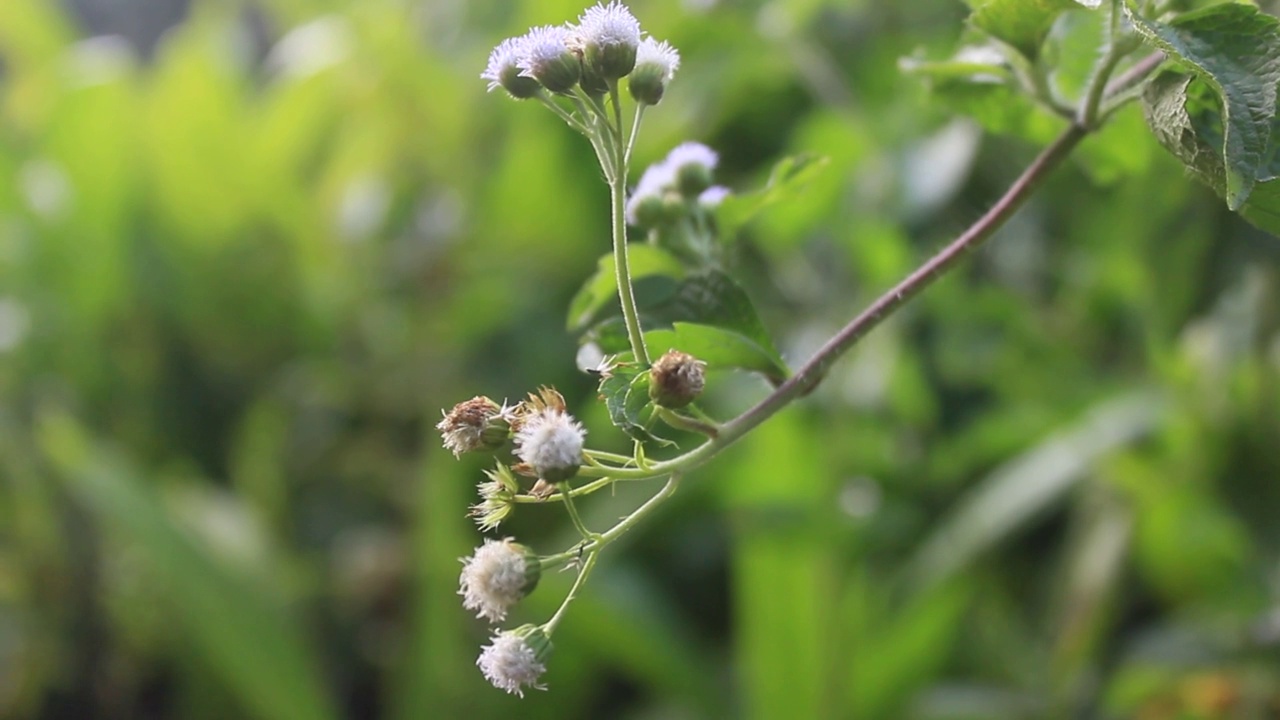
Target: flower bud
pixel 479 423
pixel 513 659
pixel 656 64
pixel 497 498
pixel 497 576
pixel 548 59
pixel 610 38
pixel 504 70
pixel 676 379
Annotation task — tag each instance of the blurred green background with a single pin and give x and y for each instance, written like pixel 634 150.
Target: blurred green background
pixel 249 250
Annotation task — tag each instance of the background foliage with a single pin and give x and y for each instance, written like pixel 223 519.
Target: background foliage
pixel 244 262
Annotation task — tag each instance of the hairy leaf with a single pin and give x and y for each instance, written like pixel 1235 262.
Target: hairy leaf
pixel 1183 113
pixel 1235 49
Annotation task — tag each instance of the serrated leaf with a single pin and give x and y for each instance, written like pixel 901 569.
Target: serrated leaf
pixel 1235 49
pixel 787 177
pixel 1185 119
pixel 979 82
pixel 625 392
pixel 602 287
pixel 1022 24
pixel 720 349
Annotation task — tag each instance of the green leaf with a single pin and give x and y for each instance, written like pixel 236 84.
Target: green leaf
pixel 625 391
pixel 709 299
pixel 979 82
pixel 244 637
pixel 719 348
pixel 786 179
pixel 1235 49
pixel 602 287
pixel 1023 24
pixel 1183 113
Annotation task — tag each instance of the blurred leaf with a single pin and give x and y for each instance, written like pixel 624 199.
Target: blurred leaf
pixel 788 177
pixel 1022 488
pixel 719 348
pixel 979 82
pixel 902 652
pixel 244 637
pixel 602 287
pixel 1023 24
pixel 1235 49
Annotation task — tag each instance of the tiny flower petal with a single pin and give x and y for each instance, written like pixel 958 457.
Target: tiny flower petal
pixel 496 577
pixel 513 659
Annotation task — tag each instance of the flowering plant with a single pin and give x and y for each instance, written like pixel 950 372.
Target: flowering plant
pixel 584 72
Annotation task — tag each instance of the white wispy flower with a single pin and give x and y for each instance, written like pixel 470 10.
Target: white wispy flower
pixel 550 442
pixel 504 70
pixel 496 577
pixel 546 57
pixel 656 64
pixel 610 38
pixel 692 153
pixel 513 659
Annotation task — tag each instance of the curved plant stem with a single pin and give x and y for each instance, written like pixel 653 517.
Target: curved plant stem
pixel 615 532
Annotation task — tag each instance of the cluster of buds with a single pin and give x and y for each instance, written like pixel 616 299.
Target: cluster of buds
pixel 605 46
pixel 548 442
pixel 677 186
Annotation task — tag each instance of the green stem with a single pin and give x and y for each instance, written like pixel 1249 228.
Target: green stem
pixel 635 130
pixel 622 269
pixel 565 115
pixel 684 422
pixel 587 565
pixel 567 493
pixel 615 532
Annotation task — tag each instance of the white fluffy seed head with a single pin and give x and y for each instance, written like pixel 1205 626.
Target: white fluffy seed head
pixel 496 577
pixel 550 443
pixel 513 659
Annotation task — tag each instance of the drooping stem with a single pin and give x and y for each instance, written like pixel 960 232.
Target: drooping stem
pixel 567 493
pixel 583 572
pixel 613 533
